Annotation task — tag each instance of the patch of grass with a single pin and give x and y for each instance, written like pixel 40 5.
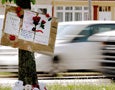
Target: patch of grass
pixel 5 73
pixel 81 87
pixel 5 87
pixel 72 87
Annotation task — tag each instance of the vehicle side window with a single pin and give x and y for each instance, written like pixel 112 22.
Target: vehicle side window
pixel 102 28
pixel 93 29
pixel 83 35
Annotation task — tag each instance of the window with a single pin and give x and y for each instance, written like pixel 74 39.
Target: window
pixel 60 15
pixel 102 28
pixel 78 16
pixel 86 8
pixel 83 36
pixel 71 13
pixel 68 16
pixel 59 8
pixel 86 16
pixel 68 8
pixel 92 29
pixel 104 8
pixel 78 8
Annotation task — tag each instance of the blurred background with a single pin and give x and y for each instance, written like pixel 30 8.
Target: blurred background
pixel 79 47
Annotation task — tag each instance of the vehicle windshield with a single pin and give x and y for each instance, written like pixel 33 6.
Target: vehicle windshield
pixel 68 30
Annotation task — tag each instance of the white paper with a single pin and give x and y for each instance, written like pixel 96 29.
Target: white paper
pixel 26 35
pixel 28 20
pixel 43 38
pixel 12 23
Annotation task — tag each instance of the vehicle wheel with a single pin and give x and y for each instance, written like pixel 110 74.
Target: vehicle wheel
pixel 55 66
pixel 56 59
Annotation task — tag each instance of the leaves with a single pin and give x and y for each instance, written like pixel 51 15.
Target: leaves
pixel 33 1
pixel 10 1
pixel 4 1
pixel 14 1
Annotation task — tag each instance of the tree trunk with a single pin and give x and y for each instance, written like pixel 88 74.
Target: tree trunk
pixel 27 67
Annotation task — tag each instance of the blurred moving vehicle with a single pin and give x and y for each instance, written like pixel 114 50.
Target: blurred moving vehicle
pixel 107 60
pixel 72 51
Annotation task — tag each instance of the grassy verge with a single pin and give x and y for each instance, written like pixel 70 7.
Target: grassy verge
pixel 5 87
pixel 74 87
pixel 82 87
pixel 7 74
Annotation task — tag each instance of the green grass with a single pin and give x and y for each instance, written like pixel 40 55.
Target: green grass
pixel 73 87
pixel 5 73
pixel 5 87
pixel 82 87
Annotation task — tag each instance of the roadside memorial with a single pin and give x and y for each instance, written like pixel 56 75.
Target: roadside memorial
pixel 29 30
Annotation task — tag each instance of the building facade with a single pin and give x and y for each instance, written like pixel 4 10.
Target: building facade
pixel 75 10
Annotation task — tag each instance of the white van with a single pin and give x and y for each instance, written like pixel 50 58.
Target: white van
pixel 73 51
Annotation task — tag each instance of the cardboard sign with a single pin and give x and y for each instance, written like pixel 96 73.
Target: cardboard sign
pixel 29 30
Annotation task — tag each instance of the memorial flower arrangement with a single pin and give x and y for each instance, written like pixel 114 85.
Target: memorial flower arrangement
pixel 36 21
